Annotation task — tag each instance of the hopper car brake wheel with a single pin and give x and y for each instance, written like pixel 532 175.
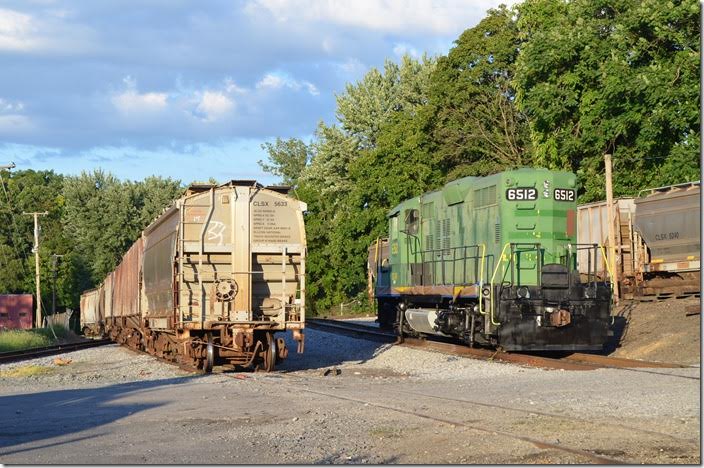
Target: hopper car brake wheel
pixel 209 355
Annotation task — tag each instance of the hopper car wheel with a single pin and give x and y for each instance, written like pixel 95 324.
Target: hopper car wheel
pixel 270 353
pixel 209 355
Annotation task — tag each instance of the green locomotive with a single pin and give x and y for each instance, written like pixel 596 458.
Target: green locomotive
pixel 492 261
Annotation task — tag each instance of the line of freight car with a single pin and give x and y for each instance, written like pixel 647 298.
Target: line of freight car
pixel 211 280
pixel 658 248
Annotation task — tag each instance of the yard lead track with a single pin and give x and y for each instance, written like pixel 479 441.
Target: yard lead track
pixel 23 355
pixel 574 361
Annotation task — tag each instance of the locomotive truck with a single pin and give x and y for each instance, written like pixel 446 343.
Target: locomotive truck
pixel 493 261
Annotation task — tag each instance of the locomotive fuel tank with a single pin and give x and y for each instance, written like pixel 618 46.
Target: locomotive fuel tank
pixel 423 321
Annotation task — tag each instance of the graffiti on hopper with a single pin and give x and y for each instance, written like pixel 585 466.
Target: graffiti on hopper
pixel 215 232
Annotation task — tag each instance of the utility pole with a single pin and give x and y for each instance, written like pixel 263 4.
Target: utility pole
pixel 612 231
pixel 36 263
pixel 54 259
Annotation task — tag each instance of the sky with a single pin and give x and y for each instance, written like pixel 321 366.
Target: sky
pixel 191 90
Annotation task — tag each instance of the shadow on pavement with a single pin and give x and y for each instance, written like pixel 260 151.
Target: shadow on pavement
pixel 33 417
pixel 324 350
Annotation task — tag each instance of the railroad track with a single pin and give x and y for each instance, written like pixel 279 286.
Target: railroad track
pixel 574 361
pixel 22 355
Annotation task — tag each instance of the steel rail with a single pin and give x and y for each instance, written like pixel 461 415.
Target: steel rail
pixel 31 353
pixel 541 444
pixel 574 361
pixel 354 329
pixel 537 412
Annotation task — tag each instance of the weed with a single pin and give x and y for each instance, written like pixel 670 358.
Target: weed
pixel 14 340
pixel 25 371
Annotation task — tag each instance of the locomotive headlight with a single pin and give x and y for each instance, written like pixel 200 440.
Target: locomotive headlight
pixel 546 184
pixel 546 193
pixel 523 292
pixel 485 291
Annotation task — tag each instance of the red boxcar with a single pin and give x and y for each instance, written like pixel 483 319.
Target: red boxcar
pixel 16 311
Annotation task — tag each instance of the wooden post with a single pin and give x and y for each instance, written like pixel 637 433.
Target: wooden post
pixel 611 220
pixel 38 317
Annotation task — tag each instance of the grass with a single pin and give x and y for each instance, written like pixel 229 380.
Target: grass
pixel 15 340
pixel 25 371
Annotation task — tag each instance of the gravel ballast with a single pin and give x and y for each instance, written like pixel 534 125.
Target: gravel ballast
pixel 376 403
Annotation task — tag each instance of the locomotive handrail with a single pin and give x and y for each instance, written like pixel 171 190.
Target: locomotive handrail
pixel 438 256
pixel 491 284
pixel 481 277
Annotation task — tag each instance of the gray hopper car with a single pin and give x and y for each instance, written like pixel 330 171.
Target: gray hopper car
pixel 211 280
pixel 668 219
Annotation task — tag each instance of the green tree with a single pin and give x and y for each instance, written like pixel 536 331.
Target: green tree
pixel 339 223
pixel 286 159
pixel 367 105
pixel 476 126
pixel 623 78
pixel 28 191
pixel 104 217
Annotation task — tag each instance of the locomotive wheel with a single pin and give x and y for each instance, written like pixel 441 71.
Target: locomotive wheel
pixel 209 355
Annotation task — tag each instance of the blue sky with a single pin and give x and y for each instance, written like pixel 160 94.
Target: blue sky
pixel 190 90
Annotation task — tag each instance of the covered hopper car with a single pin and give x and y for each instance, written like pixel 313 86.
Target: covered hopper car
pixel 211 280
pixel 493 261
pixel 657 245
pixel 669 221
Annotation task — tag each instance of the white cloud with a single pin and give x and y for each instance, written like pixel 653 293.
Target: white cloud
pixel 45 31
pixel 9 107
pixel 311 88
pixel 12 120
pixel 403 49
pixel 271 81
pixel 132 101
pixel 14 123
pixel 17 31
pixel 231 87
pixel 278 81
pixel 214 105
pixel 446 17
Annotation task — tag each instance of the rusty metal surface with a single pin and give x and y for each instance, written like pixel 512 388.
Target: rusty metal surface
pixel 607 361
pixel 574 361
pixel 489 355
pixel 447 290
pixel 125 290
pixel 16 311
pixel 14 356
